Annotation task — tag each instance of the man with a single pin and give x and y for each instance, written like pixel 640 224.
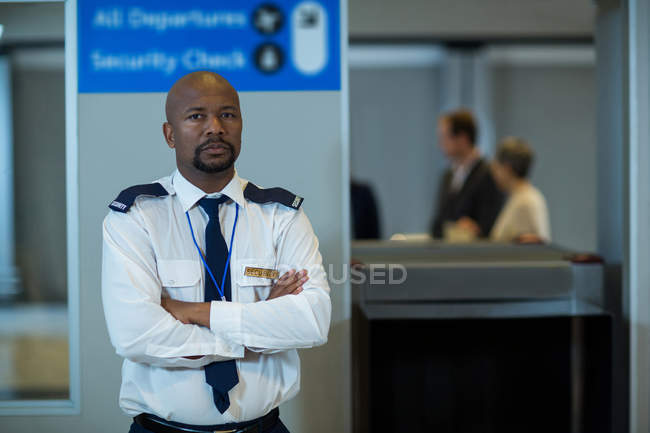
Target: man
pixel 468 200
pixel 190 281
pixel 365 215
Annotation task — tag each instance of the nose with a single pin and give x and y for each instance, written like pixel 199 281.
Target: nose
pixel 215 127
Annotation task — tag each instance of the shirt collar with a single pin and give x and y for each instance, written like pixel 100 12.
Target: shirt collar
pixel 469 163
pixel 189 194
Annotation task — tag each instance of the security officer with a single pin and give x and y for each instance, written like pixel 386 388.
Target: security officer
pixel 190 286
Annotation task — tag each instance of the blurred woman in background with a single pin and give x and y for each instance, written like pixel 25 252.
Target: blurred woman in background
pixel 524 218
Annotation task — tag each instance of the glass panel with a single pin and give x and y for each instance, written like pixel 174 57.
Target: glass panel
pixel 34 355
pixel 405 166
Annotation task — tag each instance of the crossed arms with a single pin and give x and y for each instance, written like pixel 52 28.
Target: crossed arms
pixel 198 313
pixel 147 329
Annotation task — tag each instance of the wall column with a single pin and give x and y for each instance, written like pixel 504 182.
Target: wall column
pixel 467 83
pixel 8 271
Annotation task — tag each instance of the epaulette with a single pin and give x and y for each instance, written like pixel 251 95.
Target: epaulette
pixel 125 200
pixel 268 195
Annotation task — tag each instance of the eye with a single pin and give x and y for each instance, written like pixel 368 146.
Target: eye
pixel 228 115
pixel 195 116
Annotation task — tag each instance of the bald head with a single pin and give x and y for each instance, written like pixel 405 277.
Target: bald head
pixel 194 85
pixel 204 127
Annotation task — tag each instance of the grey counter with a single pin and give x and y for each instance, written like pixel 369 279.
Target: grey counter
pixel 497 334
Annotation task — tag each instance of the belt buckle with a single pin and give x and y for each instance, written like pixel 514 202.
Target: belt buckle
pixel 224 431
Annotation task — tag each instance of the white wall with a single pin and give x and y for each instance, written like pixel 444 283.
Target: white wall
pixel 393 142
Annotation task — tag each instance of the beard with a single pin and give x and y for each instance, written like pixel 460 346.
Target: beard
pixel 216 166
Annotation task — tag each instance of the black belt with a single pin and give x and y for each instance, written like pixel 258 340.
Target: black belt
pixel 159 425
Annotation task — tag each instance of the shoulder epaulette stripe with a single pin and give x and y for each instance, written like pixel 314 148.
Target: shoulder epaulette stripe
pixel 127 197
pixel 272 195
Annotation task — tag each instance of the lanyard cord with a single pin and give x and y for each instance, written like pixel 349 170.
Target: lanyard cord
pixel 207 268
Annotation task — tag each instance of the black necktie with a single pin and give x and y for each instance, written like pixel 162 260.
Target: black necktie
pixel 221 376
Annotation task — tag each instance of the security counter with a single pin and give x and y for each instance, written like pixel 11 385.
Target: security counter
pixel 479 337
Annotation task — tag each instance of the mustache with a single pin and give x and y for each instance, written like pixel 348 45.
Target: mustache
pixel 211 142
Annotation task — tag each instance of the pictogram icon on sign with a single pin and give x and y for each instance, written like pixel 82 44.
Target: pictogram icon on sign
pixel 268 19
pixel 269 58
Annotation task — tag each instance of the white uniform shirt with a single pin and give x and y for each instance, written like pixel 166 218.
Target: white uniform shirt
pixel 525 212
pixel 149 253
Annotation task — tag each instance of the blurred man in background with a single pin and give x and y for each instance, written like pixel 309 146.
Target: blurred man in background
pixel 524 218
pixel 365 213
pixel 468 200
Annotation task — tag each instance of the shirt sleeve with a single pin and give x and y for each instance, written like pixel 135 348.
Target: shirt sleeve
pixel 288 322
pixel 139 328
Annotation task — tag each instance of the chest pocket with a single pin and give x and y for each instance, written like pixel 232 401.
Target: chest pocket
pixel 180 278
pixel 251 288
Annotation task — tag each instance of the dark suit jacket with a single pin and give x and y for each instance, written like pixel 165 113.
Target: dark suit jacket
pixel 365 215
pixel 478 199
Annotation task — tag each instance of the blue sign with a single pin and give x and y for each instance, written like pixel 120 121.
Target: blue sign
pixel 145 45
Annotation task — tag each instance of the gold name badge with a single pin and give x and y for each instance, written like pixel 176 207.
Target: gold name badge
pixel 271 274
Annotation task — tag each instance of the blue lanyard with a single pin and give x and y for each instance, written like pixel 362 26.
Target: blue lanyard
pixel 207 268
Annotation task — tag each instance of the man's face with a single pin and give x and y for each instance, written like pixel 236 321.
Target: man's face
pixel 205 127
pixel 452 145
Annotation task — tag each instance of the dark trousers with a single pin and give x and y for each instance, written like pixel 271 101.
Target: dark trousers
pixel 279 428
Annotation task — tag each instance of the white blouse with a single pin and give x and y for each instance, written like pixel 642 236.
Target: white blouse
pixel 525 212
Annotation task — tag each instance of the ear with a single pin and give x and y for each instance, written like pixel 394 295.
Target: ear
pixel 168 132
pixel 510 171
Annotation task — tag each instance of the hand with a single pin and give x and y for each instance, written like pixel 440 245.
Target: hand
pixel 190 313
pixel 529 238
pixel 289 284
pixel 179 309
pixel 469 225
